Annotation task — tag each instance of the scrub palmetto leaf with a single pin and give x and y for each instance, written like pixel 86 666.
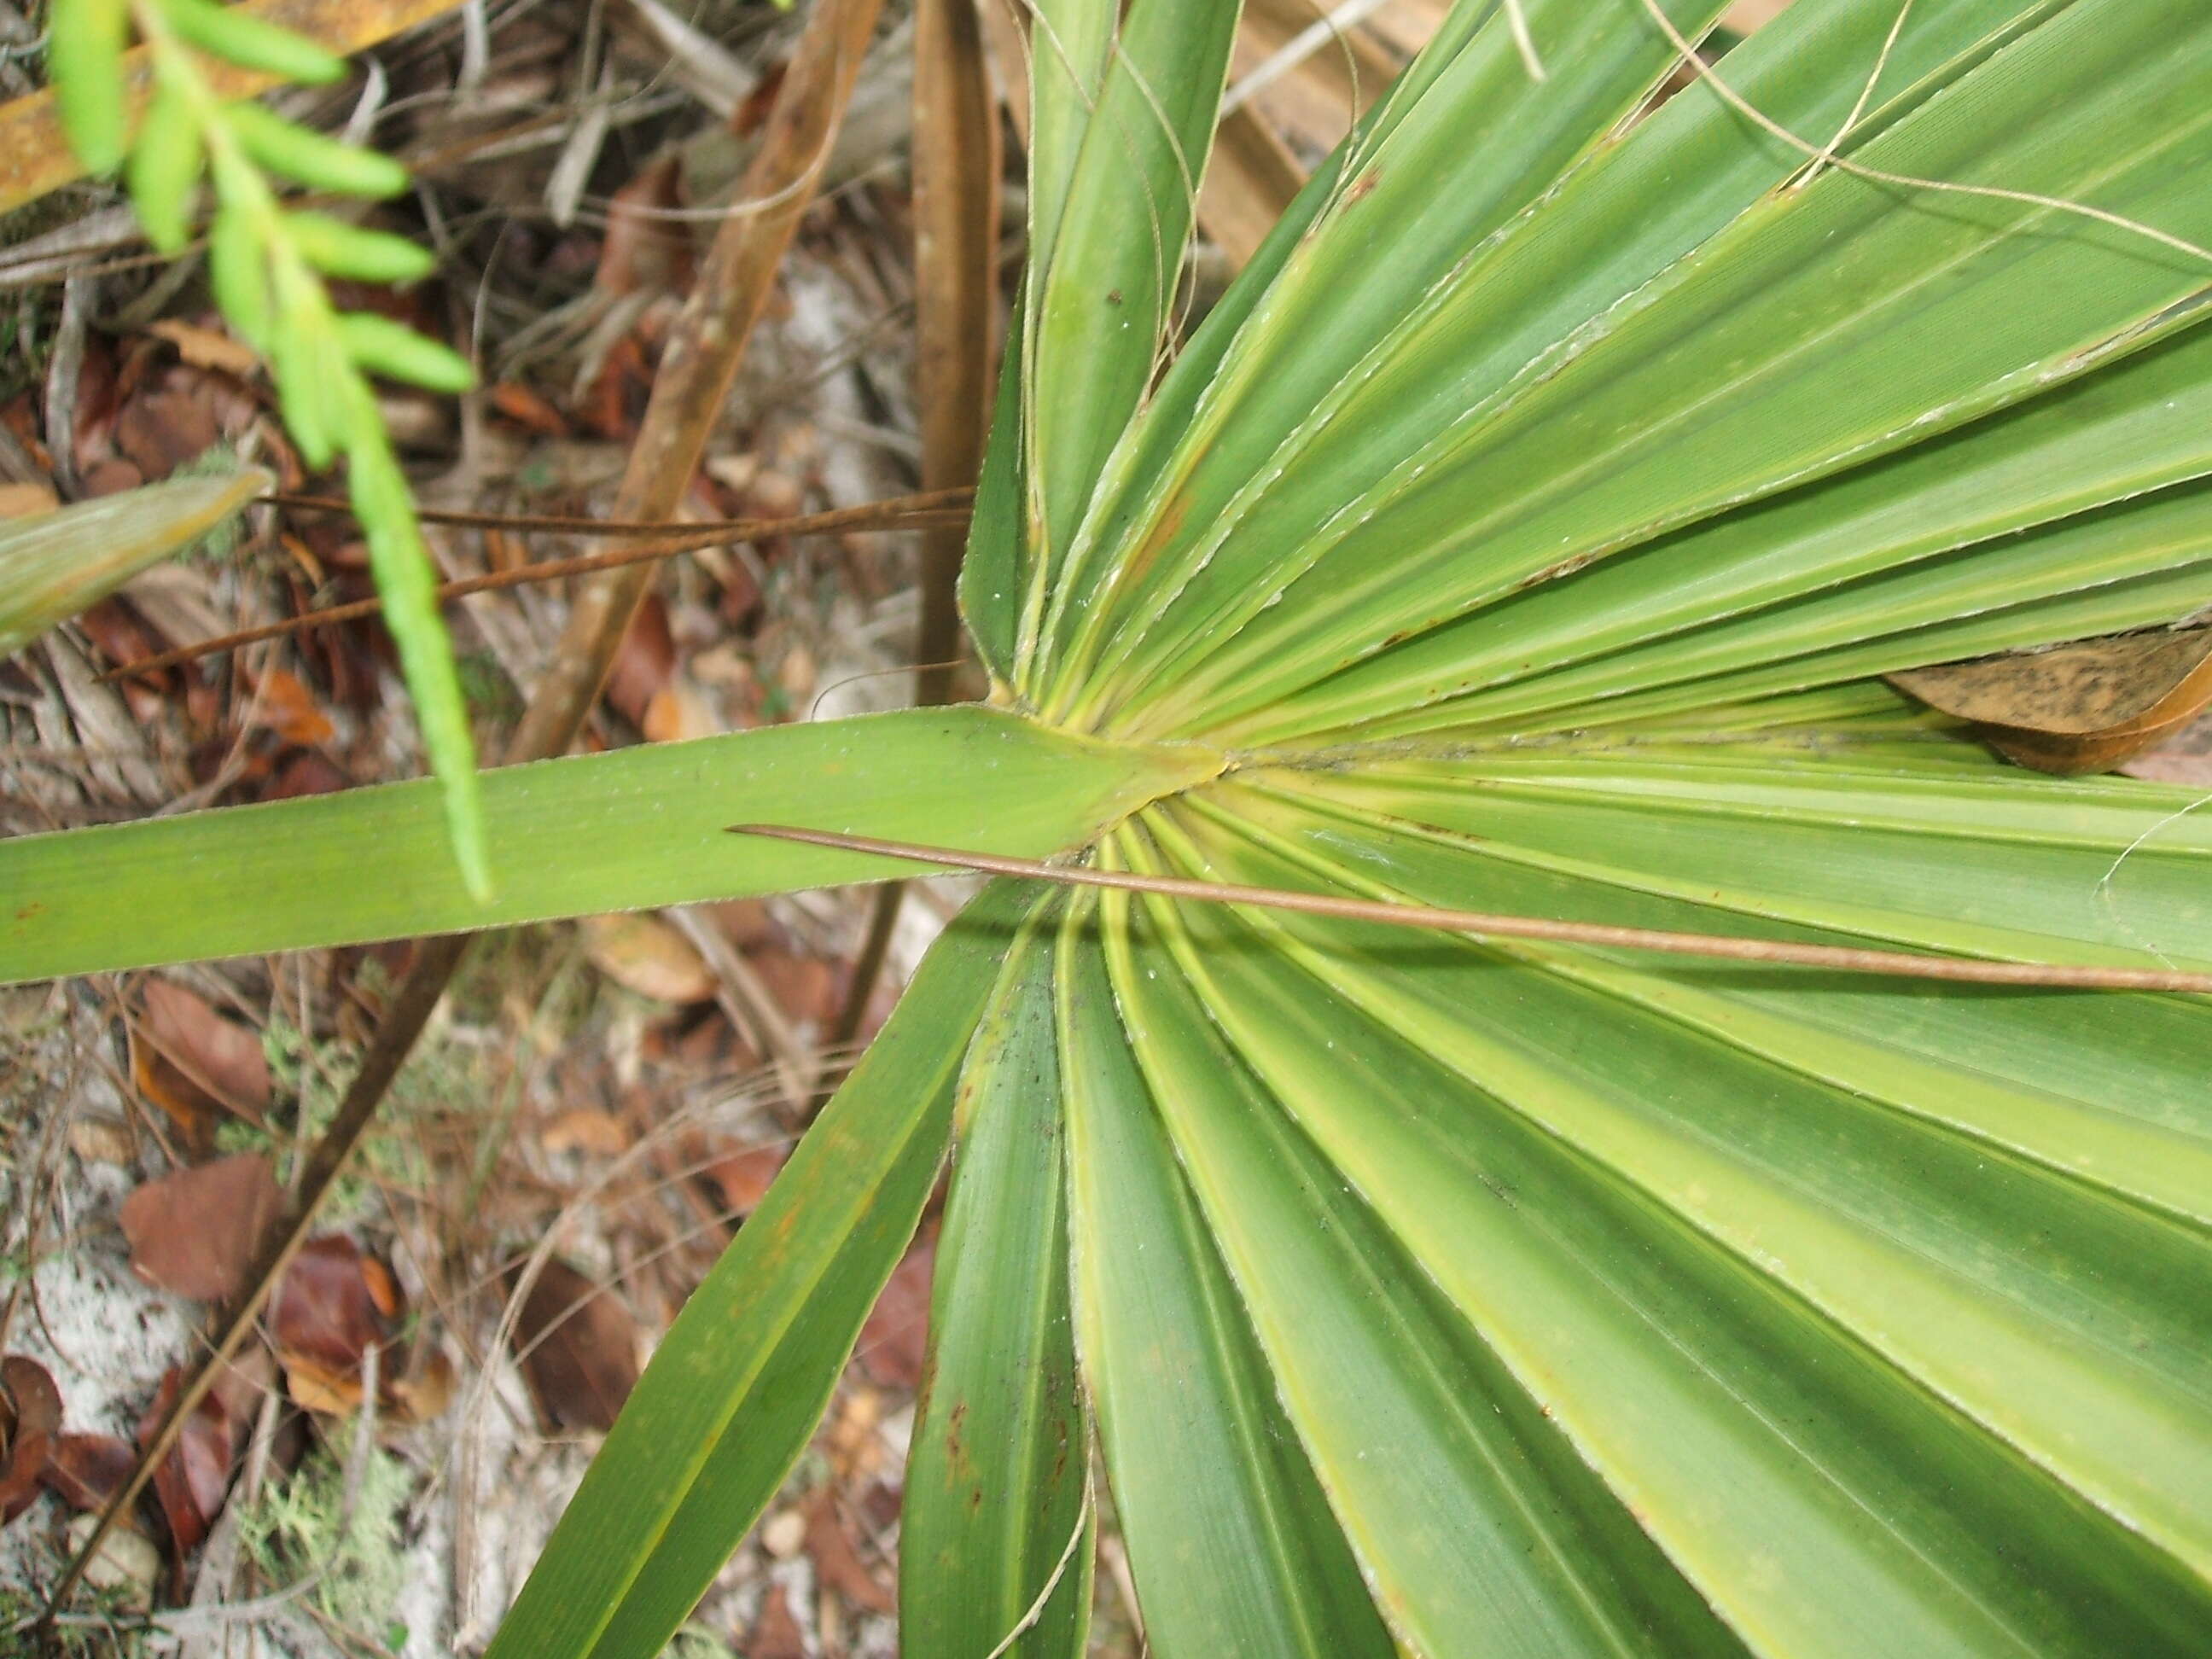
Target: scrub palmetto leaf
pixel 1526 531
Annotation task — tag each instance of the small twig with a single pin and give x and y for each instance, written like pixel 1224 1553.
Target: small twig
pixel 893 513
pixel 665 541
pixel 1837 959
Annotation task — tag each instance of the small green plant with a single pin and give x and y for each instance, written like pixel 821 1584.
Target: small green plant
pixel 342 1529
pixel 267 265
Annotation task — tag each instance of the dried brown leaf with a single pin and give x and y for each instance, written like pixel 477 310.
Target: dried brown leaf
pixel 2083 707
pixel 775 1633
pixel 32 1408
pixel 323 1316
pixel 207 348
pixel 223 1056
pixel 578 1348
pixel 644 954
pixel 88 1470
pixel 193 1232
pixel 894 1340
pixel 837 1560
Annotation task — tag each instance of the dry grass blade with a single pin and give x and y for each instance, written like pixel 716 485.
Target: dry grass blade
pixel 944 508
pixel 1718 946
pixel 956 213
pixel 1818 154
pixel 35 159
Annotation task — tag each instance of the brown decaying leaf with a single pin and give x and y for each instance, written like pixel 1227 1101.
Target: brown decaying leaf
pixel 2088 707
pixel 193 1232
pixel 585 1129
pixel 223 1056
pixel 578 1349
pixel 206 348
pixel 742 1178
pixel 88 1470
pixel 894 1341
pixel 837 1561
pixel 775 1633
pixel 282 704
pixel 331 1307
pixel 2184 757
pixel 644 954
pixel 194 1479
pixel 31 1413
pixel 647 245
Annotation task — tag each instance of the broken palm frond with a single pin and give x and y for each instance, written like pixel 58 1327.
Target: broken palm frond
pixel 665 541
pixel 1720 947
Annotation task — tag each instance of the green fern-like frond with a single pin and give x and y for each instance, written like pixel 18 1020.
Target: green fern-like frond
pixel 268 264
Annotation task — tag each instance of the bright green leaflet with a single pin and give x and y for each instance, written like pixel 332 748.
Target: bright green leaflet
pixel 998 1513
pixel 266 267
pixel 734 1391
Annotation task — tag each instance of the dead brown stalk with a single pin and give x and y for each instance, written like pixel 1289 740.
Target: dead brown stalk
pixel 940 507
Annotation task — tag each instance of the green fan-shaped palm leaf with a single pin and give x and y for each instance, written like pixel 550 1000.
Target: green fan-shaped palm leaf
pixel 1526 531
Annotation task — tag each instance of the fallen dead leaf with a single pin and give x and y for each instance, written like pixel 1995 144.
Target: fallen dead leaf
pixel 775 1633
pixel 2088 707
pixel 324 1317
pixel 837 1559
pixel 577 1346
pixel 895 1338
pixel 647 245
pixel 203 348
pixel 2184 757
pixel 194 1479
pixel 193 1232
pixel 88 1470
pixel 644 954
pixel 282 704
pixel 587 1130
pixel 643 662
pixel 743 1178
pixel 678 712
pixel 223 1056
pixel 30 1421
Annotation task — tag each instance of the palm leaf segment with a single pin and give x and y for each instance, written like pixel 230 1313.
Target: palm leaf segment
pixel 1525 528
pixel 1525 532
